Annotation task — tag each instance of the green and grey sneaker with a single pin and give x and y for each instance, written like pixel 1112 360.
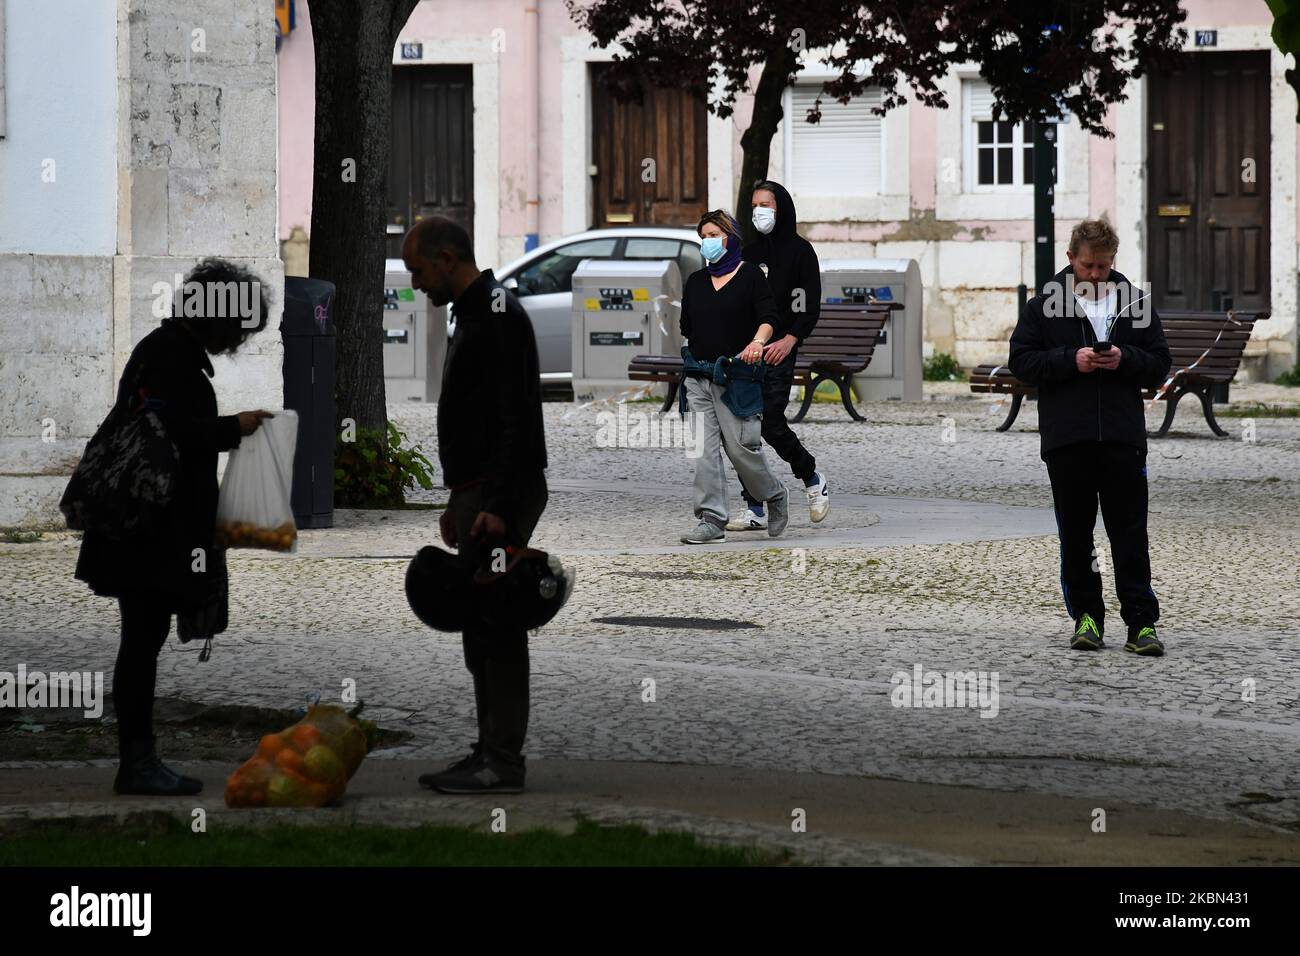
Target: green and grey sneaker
pixel 704 533
pixel 1143 640
pixel 1087 635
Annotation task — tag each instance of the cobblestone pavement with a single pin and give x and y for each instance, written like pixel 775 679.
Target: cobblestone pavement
pixel 939 552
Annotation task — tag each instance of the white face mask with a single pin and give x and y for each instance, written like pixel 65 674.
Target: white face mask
pixel 764 219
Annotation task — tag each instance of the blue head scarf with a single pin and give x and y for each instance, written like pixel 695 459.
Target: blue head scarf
pixel 731 255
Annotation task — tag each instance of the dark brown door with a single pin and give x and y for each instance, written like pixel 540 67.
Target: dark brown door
pixel 1207 218
pixel 431 166
pixel 668 127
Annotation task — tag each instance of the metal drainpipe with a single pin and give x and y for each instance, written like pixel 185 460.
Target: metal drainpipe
pixel 533 70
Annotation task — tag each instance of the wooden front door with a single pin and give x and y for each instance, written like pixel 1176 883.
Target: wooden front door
pixel 1208 176
pixel 669 127
pixel 431 165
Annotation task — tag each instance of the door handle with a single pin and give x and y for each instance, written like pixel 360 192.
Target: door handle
pixel 1211 221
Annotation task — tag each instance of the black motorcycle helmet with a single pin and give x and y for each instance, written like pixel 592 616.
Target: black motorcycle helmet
pixel 525 590
pixel 438 589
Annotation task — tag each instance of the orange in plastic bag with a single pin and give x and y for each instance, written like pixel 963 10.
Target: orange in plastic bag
pixel 306 765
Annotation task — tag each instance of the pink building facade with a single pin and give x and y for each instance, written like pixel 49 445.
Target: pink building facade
pixel 918 183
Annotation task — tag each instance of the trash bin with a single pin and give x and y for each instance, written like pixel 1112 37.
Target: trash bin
pixel 415 339
pixel 622 308
pixel 896 368
pixel 308 333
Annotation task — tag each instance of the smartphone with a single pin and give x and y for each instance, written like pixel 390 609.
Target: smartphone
pixel 1101 347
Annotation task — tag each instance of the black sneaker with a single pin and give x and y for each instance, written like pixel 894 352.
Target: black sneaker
pixel 1087 635
pixel 428 779
pixel 1143 640
pixel 485 774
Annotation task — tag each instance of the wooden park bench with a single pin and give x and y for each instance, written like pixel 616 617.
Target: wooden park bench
pixel 1206 348
pixel 839 348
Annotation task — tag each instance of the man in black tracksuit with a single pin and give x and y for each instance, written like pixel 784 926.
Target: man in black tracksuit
pixel 794 276
pixel 492 448
pixel 1093 428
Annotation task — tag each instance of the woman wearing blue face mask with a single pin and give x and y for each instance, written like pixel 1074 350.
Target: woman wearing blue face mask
pixel 728 315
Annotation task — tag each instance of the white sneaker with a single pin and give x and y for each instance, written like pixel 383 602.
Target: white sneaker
pixel 819 499
pixel 746 520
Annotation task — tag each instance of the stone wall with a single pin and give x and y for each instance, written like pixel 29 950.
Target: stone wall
pixel 195 122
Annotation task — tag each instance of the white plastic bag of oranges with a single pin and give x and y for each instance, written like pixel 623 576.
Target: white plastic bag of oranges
pixel 253 510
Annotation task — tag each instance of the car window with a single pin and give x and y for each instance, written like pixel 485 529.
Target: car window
pixel 689 260
pixel 687 254
pixel 553 272
pixel 647 248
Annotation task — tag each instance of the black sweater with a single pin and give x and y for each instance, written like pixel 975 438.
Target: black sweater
pixel 1098 406
pixel 792 265
pixel 490 410
pixel 718 322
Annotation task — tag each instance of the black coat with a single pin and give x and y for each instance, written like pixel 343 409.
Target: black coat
pixel 172 366
pixel 791 264
pixel 490 410
pixel 1098 406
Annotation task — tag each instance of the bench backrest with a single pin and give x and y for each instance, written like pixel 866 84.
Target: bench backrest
pixel 1215 341
pixel 846 329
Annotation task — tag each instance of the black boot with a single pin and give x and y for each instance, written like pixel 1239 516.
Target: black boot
pixel 142 773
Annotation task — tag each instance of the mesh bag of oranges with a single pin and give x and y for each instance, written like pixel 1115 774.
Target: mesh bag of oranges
pixel 254 510
pixel 306 765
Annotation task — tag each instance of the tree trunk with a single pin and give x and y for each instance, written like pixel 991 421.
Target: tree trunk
pixel 756 143
pixel 354 63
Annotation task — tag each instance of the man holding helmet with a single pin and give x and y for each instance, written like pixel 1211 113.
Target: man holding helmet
pixel 492 449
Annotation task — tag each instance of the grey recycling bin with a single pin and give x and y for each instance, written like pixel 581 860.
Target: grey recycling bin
pixel 895 371
pixel 621 308
pixel 307 329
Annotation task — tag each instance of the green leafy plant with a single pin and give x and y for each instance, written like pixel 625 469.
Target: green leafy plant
pixel 18 536
pixel 376 469
pixel 1290 377
pixel 942 367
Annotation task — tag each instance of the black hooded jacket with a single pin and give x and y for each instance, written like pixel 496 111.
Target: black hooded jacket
pixel 791 264
pixel 1103 405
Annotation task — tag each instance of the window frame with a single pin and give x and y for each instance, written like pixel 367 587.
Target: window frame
pixel 972 146
pixel 954 201
pixel 891 204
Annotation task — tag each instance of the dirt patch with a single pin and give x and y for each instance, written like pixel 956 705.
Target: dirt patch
pixel 188 729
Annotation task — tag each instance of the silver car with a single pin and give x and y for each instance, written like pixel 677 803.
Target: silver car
pixel 543 279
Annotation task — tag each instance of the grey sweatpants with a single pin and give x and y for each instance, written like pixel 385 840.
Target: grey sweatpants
pixel 741 438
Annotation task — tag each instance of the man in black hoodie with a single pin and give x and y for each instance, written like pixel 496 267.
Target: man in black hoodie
pixel 1091 344
pixel 492 448
pixel 794 275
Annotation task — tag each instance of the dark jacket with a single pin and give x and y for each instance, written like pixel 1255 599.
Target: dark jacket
pixel 173 368
pixel 1098 406
pixel 490 410
pixel 791 264
pixel 742 383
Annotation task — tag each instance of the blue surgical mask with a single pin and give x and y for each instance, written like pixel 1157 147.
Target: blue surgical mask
pixel 712 248
pixel 764 219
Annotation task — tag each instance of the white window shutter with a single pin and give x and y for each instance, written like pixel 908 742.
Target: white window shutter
pixel 841 155
pixel 981 99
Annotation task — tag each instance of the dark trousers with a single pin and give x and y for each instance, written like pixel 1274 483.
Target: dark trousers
pixel 1115 475
pixel 776 430
pixel 498 659
pixel 146 621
